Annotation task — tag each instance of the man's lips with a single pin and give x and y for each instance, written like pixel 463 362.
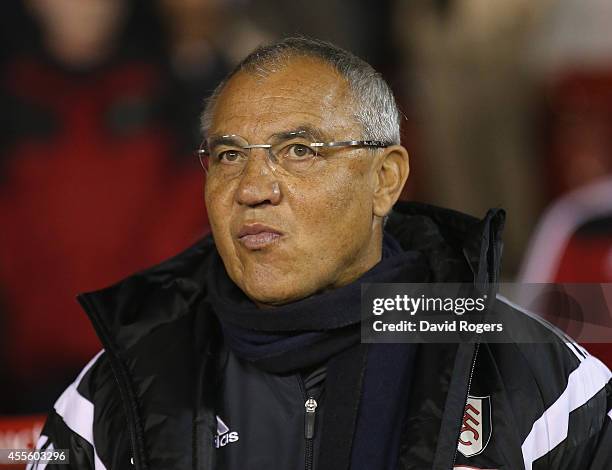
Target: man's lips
pixel 256 236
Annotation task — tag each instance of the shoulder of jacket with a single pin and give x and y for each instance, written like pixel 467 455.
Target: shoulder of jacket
pixel 551 362
pixel 536 344
pixel 83 415
pixel 559 395
pixel 95 383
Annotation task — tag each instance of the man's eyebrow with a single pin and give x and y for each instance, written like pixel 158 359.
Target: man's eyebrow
pixel 232 139
pixel 311 131
pixel 223 140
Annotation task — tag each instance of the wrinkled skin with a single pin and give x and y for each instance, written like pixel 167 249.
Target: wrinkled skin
pixel 331 218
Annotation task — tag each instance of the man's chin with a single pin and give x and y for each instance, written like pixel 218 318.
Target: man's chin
pixel 268 296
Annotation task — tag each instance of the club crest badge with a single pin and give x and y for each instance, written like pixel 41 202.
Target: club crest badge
pixel 476 426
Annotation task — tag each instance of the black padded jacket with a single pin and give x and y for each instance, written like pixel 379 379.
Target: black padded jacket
pixel 146 400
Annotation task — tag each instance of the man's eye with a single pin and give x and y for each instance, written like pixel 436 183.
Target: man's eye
pixel 230 156
pixel 299 152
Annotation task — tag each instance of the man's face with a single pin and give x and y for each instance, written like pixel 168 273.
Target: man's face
pixel 284 236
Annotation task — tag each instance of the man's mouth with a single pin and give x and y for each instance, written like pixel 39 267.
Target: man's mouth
pixel 255 236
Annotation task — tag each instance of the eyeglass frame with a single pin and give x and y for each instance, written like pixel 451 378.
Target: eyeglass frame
pixel 201 152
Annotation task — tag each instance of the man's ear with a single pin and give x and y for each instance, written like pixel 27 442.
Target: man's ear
pixel 391 175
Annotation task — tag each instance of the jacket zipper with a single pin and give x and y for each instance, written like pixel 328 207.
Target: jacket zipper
pixel 310 412
pixel 309 430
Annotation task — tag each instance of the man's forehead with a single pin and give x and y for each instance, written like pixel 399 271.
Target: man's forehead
pixel 302 91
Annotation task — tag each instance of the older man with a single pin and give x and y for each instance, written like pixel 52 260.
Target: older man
pixel 244 351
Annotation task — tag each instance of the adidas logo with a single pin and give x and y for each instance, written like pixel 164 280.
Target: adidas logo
pixel 224 435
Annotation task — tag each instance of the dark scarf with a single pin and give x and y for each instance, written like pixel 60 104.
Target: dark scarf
pixel 325 329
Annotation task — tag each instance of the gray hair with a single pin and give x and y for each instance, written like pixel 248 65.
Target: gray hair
pixel 375 106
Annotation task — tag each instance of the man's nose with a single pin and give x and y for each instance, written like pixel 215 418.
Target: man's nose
pixel 258 182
